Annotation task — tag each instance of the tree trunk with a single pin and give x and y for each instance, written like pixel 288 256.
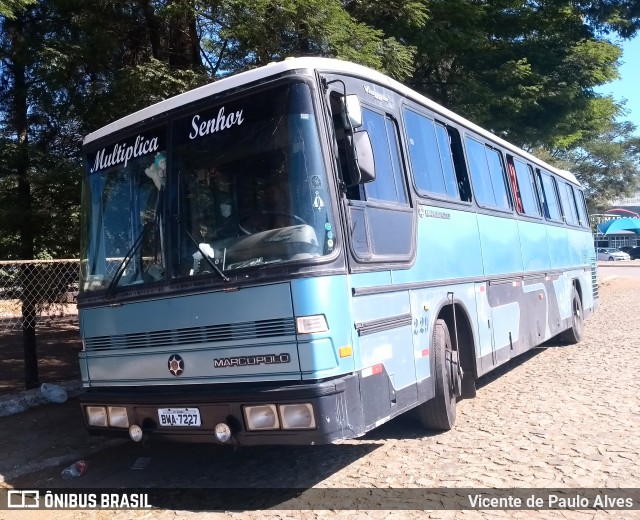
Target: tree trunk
pixel 184 43
pixel 19 106
pixel 153 24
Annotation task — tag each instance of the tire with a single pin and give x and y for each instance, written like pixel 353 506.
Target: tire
pixel 439 413
pixel 573 334
pixel 611 259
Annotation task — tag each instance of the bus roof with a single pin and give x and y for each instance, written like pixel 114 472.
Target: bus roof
pixel 326 64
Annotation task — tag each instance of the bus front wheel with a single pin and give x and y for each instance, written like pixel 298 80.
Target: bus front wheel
pixel 439 413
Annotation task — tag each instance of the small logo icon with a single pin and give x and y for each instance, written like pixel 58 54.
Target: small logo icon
pixel 23 498
pixel 176 365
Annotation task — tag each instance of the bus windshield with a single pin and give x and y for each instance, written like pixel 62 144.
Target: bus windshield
pixel 241 185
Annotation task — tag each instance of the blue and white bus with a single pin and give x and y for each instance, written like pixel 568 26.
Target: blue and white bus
pixel 301 252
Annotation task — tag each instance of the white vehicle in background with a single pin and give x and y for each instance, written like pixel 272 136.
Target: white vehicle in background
pixel 611 254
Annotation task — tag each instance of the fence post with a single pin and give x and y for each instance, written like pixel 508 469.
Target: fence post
pixel 31 378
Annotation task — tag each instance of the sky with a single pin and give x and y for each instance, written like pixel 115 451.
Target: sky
pixel 628 86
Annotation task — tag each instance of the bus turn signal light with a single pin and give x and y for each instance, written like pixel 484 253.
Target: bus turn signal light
pixel 346 351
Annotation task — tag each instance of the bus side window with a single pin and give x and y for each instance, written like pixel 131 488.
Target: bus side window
pixel 550 196
pixel 582 208
pixel 487 173
pixel 430 156
pixel 568 203
pixel 457 151
pixel 527 188
pixel 389 184
pixel 436 159
pixel 513 180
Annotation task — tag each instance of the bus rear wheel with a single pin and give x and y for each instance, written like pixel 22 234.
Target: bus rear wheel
pixel 439 413
pixel 573 334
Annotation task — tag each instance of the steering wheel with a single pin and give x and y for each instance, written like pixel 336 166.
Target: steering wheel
pixel 249 228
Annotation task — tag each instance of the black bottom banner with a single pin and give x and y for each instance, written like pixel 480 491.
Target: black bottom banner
pixel 252 499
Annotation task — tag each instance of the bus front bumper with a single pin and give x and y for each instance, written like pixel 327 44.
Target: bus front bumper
pixel 316 413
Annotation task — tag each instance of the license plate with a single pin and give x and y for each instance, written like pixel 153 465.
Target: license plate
pixel 179 416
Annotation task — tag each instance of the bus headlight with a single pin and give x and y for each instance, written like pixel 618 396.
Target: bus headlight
pixel 297 416
pixel 118 417
pixel 310 324
pixel 96 415
pixel 263 417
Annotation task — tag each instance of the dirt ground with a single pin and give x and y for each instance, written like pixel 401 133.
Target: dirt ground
pixel 57 347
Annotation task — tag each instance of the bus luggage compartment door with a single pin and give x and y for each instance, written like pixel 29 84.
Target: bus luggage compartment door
pixel 485 328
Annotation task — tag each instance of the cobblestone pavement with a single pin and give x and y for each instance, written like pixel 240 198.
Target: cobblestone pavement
pixel 558 417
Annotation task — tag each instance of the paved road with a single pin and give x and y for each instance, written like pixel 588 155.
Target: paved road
pixel 558 417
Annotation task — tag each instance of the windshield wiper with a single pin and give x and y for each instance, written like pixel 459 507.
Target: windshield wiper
pixel 204 255
pixel 125 261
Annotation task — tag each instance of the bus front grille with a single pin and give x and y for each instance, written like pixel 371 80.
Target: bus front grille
pixel 209 334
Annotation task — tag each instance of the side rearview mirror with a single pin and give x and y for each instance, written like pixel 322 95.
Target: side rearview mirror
pixel 353 111
pixel 364 155
pixel 362 166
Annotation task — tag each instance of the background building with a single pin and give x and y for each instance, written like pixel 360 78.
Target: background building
pixel 622 207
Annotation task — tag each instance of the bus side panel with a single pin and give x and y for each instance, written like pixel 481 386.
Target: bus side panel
pixel 320 352
pixel 564 289
pixel 383 346
pixel 534 245
pixel 506 301
pixel 385 336
pixel 536 298
pixel 448 246
pixel 578 246
pixel 559 248
pixel 500 245
pixel 483 330
pixel 425 305
pixel 583 252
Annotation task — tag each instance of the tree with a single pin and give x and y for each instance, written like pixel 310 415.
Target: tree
pixel 251 33
pixel 606 164
pixel 525 70
pixel 15 128
pixel 9 8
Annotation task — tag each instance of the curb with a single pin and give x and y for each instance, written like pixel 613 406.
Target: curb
pixel 17 403
pixel 618 263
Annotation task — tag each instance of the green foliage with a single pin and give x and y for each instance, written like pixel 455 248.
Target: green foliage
pixel 147 83
pixel 9 8
pixel 525 70
pixel 262 31
pixel 607 163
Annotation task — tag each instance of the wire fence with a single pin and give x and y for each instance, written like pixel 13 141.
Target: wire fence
pixel 36 292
